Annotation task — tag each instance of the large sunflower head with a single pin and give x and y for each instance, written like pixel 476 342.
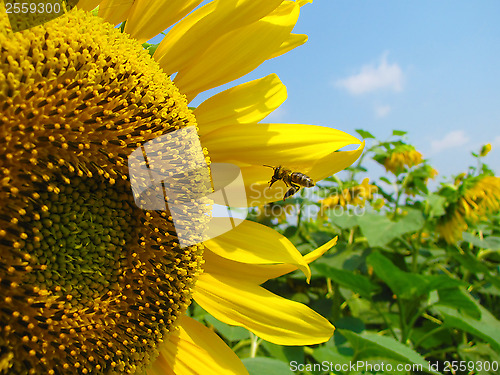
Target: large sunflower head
pixel 90 282
pixel 95 277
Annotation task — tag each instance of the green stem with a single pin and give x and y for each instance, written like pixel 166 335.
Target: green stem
pixel 388 325
pixel 329 288
pixel 414 255
pixel 254 345
pixel 441 351
pixel 396 206
pixel 241 344
pixel 479 165
pixel 400 193
pixel 402 321
pixel 337 302
pixel 484 253
pixel 353 360
pixel 419 313
pixel 351 236
pixel 427 335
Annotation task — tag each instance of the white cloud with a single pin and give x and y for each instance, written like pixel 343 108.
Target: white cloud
pixel 374 77
pixel 455 138
pixel 382 110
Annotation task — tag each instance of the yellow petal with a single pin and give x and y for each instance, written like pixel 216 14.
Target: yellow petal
pixel 301 148
pixel 195 33
pixel 273 318
pixel 238 52
pixel 194 349
pixel 293 41
pixel 276 144
pixel 255 273
pixel 88 5
pixel 341 159
pixel 115 11
pixel 255 243
pixel 148 18
pixel 246 103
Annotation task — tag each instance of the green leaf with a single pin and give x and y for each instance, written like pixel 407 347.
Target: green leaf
pixel 421 185
pixel 364 134
pixel 457 298
pixel 476 266
pixel 151 48
pixel 430 342
pixel 333 354
pixel 399 132
pixel 290 231
pixel 363 308
pixel 345 221
pixel 357 283
pixel 285 353
pixel 266 366
pixel 491 242
pixel 441 282
pixel 374 346
pixel 479 353
pixel 322 306
pixel 403 284
pixel 350 323
pixel 232 333
pixel 386 180
pixel 487 327
pixel 436 204
pixel 379 230
pixel 471 263
pixel 320 236
pixel 489 289
pixel 408 285
pixel 412 222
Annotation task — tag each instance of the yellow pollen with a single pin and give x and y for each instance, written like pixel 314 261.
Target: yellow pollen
pixel 85 272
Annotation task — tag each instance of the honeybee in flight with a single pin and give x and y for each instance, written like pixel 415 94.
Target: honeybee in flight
pixel 293 180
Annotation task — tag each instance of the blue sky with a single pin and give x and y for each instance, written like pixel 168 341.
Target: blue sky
pixel 428 67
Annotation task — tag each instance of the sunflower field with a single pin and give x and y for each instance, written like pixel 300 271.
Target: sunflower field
pixel 412 285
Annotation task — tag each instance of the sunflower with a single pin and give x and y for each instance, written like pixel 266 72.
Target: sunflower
pixel 356 195
pixel 477 197
pixel 400 158
pixel 93 283
pixel 418 178
pixel 485 150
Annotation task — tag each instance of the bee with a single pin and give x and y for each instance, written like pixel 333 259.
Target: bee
pixel 293 180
